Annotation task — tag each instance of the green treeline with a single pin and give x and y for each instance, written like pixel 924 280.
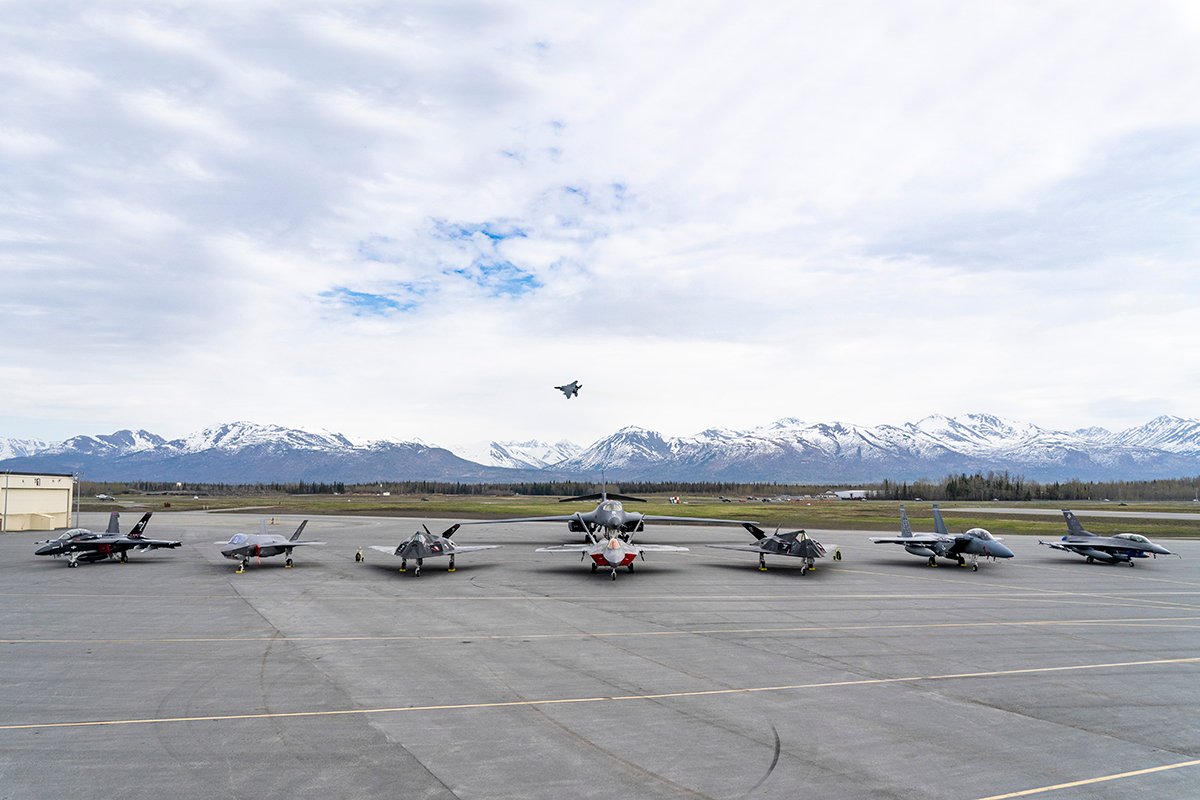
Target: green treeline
pixel 979 486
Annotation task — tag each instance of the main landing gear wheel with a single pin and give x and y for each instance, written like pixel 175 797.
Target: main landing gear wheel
pixel 595 567
pixel 245 562
pixel 804 569
pixel 962 562
pixel 762 564
pixel 1131 563
pixel 289 564
pixel 404 565
pixel 359 557
pixel 123 558
pixel 837 555
pixel 932 561
pixel 1091 560
pixel 974 568
pixel 629 567
pixel 72 564
pixel 451 567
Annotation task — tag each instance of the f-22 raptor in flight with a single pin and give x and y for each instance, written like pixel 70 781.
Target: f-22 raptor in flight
pixel 974 543
pixel 80 544
pixel 571 389
pixel 1109 549
pixel 424 544
pixel 244 546
pixel 793 543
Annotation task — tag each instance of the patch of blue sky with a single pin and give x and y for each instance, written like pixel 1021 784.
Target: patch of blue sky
pixel 496 231
pixel 368 304
pixel 499 278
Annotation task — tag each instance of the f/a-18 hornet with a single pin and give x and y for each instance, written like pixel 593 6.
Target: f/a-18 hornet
pixel 611 552
pixel 80 544
pixel 571 389
pixel 424 544
pixel 793 543
pixel 1109 549
pixel 244 546
pixel 608 519
pixel 956 547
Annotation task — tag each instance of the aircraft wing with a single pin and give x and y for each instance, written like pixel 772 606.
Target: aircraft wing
pixel 557 518
pixel 916 538
pixel 383 548
pixel 152 544
pixel 565 548
pixel 1055 545
pixel 470 548
pixel 749 548
pixel 659 548
pixel 295 544
pixel 650 518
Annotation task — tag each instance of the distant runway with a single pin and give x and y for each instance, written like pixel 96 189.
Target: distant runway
pixel 1127 513
pixel 523 675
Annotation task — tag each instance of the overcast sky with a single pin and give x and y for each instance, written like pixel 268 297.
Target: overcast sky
pixel 414 219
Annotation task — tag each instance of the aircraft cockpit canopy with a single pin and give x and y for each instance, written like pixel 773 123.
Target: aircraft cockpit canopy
pixel 238 538
pixel 1132 537
pixel 980 533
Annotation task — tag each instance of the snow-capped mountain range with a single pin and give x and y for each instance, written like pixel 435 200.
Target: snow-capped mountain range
pixel 785 451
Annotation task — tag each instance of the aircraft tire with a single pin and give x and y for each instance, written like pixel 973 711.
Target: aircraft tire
pixel 837 555
pixel 595 567
pixel 629 567
pixel 289 563
pixel 803 570
pixel 1091 560
pixel 974 568
pixel 72 564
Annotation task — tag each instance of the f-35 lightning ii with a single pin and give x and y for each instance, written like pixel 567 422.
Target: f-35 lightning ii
pixel 974 543
pixel 611 552
pixel 80 544
pixel 1109 549
pixel 608 519
pixel 424 544
pixel 571 389
pixel 793 543
pixel 244 546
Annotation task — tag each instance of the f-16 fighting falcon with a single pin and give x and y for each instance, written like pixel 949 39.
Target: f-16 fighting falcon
pixel 608 519
pixel 1109 549
pixel 242 546
pixel 571 389
pixel 80 544
pixel 424 544
pixel 793 543
pixel 974 543
pixel 612 552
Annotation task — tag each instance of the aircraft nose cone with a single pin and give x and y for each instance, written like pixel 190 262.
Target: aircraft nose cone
pixel 1162 551
pixel 998 550
pixel 44 550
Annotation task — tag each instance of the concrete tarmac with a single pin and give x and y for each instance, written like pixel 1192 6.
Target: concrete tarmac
pixel 523 675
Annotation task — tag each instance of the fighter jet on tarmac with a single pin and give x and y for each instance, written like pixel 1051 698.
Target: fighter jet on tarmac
pixel 793 543
pixel 425 545
pixel 242 546
pixel 80 544
pixel 609 518
pixel 611 552
pixel 571 389
pixel 1109 549
pixel 974 543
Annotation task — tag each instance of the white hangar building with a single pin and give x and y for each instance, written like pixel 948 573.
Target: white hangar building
pixel 35 502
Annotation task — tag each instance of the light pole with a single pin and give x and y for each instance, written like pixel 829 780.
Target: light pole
pixel 4 516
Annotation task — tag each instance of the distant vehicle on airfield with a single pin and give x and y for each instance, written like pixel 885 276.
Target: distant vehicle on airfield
pixel 1121 547
pixel 571 389
pixel 105 497
pixel 957 547
pixel 80 544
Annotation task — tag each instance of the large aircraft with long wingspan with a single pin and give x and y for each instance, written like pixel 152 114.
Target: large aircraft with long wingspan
pixel 80 544
pixel 1121 547
pixel 609 518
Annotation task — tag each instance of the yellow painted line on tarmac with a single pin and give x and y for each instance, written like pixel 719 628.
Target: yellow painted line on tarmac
pixel 1090 781
pixel 345 712
pixel 1133 622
